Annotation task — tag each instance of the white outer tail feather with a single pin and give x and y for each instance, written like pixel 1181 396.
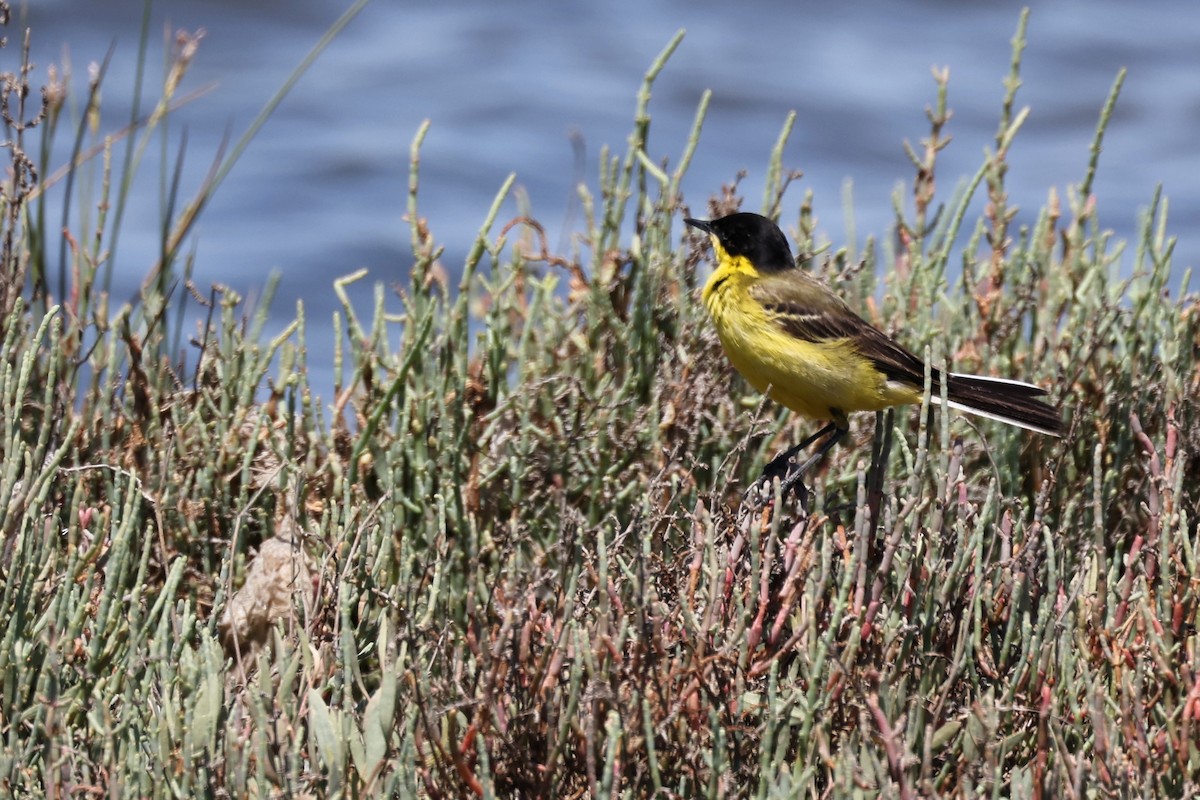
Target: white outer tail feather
pixel 937 400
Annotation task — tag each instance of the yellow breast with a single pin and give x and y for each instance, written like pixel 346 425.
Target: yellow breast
pixel 822 380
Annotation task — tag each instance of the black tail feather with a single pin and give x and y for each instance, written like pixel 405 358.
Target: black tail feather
pixel 1008 401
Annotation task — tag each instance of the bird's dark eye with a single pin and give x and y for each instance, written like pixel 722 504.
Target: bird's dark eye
pixel 755 238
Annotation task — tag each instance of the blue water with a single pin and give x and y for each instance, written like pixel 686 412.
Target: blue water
pixel 322 191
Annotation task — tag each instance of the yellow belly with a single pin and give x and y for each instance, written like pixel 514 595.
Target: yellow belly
pixel 821 381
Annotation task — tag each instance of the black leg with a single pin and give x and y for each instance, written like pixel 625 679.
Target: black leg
pixel 791 475
pixel 794 479
pixel 781 466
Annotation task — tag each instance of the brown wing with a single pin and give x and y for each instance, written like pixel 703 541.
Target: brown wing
pixel 808 311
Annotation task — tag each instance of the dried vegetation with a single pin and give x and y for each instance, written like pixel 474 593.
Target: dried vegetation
pixel 509 555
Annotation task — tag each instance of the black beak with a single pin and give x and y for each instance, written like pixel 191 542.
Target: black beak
pixel 699 224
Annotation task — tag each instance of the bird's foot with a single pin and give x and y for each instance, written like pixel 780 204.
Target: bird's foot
pixel 790 476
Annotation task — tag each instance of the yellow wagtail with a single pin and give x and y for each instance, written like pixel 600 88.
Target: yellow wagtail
pixel 793 338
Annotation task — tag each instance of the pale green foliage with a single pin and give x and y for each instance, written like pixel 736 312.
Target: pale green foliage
pixel 535 576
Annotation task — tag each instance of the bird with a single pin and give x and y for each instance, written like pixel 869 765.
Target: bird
pixel 798 342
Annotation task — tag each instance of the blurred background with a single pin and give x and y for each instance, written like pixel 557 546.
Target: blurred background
pixel 321 192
